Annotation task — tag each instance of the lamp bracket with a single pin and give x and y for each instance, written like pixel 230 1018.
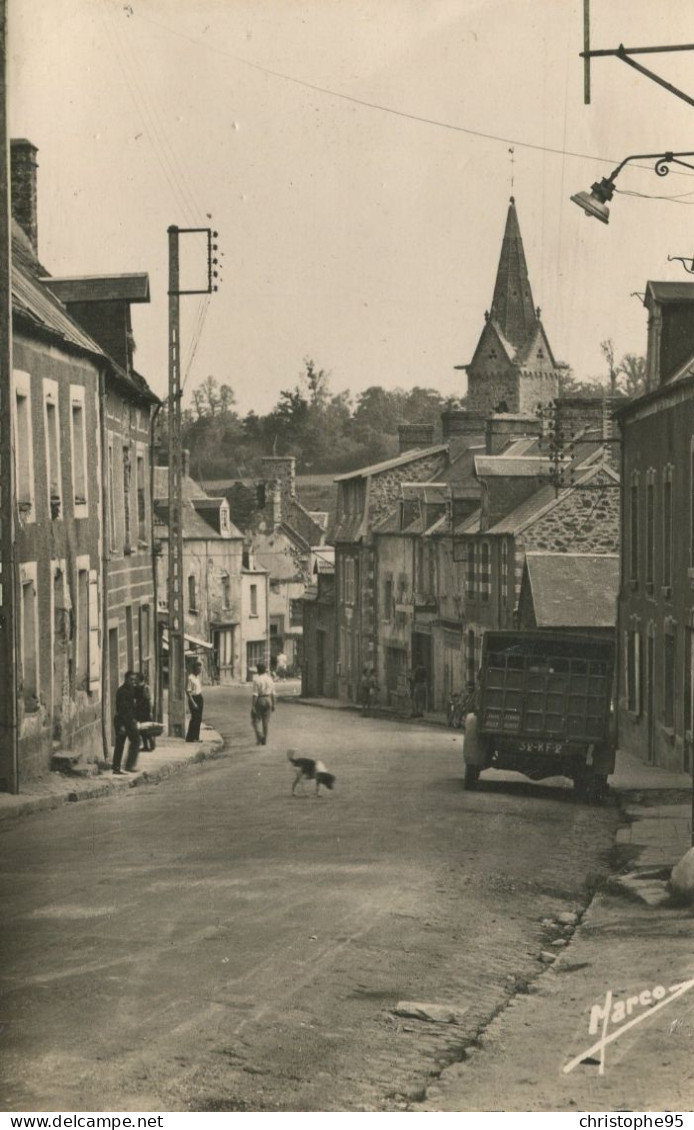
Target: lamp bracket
pixel 625 54
pixel 688 264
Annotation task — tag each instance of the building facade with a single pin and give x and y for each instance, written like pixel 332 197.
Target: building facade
pixel 656 600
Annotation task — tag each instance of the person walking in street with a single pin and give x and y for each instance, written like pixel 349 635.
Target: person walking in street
pixel 263 703
pixel 143 710
pixel 281 666
pixel 369 687
pixel 195 701
pixel 125 724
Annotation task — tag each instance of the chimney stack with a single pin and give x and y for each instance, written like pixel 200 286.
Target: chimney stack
pixel 413 436
pixel 24 199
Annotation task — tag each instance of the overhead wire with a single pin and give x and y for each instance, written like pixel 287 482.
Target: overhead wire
pixel 379 106
pixel 154 130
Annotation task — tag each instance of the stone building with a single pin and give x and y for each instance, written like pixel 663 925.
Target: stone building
pixel 281 534
pixel 101 305
pixel 366 498
pixel 225 601
pixel 57 680
pixel 656 604
pixel 513 368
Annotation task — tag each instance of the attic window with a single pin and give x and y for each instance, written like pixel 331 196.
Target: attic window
pixel 493 354
pixel 540 353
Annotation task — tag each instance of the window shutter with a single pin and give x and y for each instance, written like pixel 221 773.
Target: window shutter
pixel 94 641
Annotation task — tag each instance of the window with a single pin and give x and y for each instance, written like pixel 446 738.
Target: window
pixel 504 572
pixel 143 627
pixel 224 518
pixel 388 598
pixel 255 654
pixel 633 671
pixel 650 528
pixel 470 659
pixel 471 569
pixel 141 505
pixel 296 613
pixel 634 528
pixel 52 429
pixel 669 680
pixel 226 590
pixel 78 437
pixel 193 595
pixel 127 537
pixel 254 600
pixel 484 578
pixel 667 531
pixel 82 653
pixel 350 579
pixel 688 685
pixel 28 642
pixel 24 452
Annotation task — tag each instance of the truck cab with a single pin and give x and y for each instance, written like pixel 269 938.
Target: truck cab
pixel 545 708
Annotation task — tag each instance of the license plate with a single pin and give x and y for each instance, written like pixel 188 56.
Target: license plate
pixel 540 747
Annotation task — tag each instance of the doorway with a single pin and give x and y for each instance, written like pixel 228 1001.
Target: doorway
pixel 113 677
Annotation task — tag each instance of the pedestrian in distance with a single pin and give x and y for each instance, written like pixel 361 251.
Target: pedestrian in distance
pixel 281 667
pixel 263 703
pixel 143 710
pixel 369 687
pixel 125 724
pixel 195 701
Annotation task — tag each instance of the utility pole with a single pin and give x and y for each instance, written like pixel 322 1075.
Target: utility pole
pixel 9 749
pixel 177 672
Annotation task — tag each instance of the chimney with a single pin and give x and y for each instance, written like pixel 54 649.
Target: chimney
pixel 282 469
pixel 276 505
pixel 24 202
pixel 504 427
pixel 459 422
pixel 185 462
pixel 412 436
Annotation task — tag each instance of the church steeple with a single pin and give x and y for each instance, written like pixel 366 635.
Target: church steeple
pixel 513 363
pixel 513 308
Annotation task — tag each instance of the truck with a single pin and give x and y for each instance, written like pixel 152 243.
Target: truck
pixel 544 708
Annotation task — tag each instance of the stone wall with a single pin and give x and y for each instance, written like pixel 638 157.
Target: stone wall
pixel 585 521
pixel 384 488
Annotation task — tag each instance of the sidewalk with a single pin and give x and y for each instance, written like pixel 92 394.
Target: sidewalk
pixel 540 1052
pixel 55 789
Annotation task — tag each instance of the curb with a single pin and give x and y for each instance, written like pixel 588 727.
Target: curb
pixel 379 712
pixel 212 749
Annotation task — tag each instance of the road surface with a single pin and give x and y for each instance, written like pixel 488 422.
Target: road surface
pixel 211 943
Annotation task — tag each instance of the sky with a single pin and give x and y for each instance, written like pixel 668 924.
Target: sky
pixel 354 158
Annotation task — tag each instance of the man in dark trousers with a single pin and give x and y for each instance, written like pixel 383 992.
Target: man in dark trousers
pixel 125 723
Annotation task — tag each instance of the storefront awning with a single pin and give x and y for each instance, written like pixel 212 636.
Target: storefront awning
pixel 189 640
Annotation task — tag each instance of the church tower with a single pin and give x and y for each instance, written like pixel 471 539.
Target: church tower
pixel 513 368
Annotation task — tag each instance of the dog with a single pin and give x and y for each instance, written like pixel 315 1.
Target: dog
pixel 309 769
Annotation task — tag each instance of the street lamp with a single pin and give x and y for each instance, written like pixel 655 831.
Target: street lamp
pixel 594 203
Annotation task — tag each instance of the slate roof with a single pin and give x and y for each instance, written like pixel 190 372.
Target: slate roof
pixel 543 500
pixel 38 310
pixel 195 526
pixel 37 306
pixel 388 464
pixel 522 466
pixel 573 590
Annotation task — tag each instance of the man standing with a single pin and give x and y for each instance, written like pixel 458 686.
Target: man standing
pixel 281 666
pixel 125 723
pixel 263 703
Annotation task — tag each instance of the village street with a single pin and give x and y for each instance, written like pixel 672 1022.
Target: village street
pixel 211 943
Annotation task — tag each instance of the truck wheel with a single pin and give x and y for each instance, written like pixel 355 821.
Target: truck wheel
pixel 472 776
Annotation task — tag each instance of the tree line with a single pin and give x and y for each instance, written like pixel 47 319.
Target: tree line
pixel 332 432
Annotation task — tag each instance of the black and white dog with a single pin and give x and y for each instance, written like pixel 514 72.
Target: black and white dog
pixel 310 770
